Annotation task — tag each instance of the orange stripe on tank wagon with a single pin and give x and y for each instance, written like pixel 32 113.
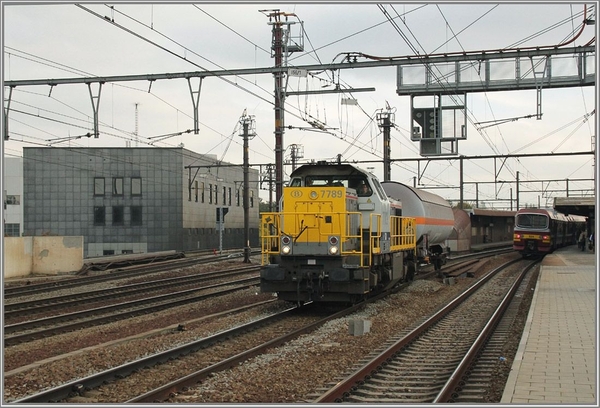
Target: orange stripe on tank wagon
pixel 433 221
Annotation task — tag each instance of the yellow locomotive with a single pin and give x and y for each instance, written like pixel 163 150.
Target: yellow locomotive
pixel 336 238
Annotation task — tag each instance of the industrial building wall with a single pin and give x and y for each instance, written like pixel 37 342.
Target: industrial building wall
pixel 132 200
pixel 121 200
pixel 42 255
pixel 207 186
pixel 12 174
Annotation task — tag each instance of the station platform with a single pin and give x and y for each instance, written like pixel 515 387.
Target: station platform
pixel 556 362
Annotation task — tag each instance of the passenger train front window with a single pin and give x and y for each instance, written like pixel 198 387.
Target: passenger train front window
pixel 532 221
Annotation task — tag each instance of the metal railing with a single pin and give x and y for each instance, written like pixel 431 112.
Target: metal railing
pixel 318 227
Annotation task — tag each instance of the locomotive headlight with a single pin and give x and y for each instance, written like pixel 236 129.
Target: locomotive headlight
pixel 285 244
pixel 333 245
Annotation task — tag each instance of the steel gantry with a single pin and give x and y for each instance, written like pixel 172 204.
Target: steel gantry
pixel 581 72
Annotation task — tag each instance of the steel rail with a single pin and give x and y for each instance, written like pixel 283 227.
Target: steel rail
pixel 30 336
pixel 341 389
pixel 132 271
pixel 449 391
pixel 71 299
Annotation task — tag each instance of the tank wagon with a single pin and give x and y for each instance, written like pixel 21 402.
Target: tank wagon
pixel 337 237
pixel 539 231
pixel 434 218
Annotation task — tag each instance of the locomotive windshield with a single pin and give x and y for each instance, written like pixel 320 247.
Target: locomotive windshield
pixel 360 183
pixel 532 221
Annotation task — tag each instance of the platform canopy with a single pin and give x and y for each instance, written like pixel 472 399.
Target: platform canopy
pixel 576 205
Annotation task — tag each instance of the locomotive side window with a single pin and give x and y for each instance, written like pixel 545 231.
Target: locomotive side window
pixel 361 185
pixel 532 221
pixel 379 189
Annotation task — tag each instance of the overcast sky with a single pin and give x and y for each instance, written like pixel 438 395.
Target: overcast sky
pixel 44 41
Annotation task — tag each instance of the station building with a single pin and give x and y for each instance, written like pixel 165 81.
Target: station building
pixel 480 228
pixel 136 199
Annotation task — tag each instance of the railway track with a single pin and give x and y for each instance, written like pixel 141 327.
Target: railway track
pixel 128 272
pixel 123 384
pixel 429 363
pixel 34 329
pixel 91 396
pixel 51 305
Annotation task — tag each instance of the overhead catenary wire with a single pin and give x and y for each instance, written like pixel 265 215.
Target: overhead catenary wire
pixel 341 133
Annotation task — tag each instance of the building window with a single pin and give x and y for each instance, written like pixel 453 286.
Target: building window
pixel 237 197
pixel 216 194
pixel 13 199
pixel 117 186
pixel 118 216
pixel 136 215
pixel 251 198
pixel 202 191
pixel 229 197
pixel 210 193
pixel 108 252
pixel 12 230
pixel 98 186
pixel 127 251
pixel 196 189
pixel 136 186
pixel 99 215
pixel 224 195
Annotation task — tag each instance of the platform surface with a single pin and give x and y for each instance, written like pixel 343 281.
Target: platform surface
pixel 556 362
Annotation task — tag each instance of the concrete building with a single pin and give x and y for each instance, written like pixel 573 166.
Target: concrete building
pixel 136 199
pixel 12 174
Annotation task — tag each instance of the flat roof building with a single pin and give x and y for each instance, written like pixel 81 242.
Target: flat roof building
pixel 136 199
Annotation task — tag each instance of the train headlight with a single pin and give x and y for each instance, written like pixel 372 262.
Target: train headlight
pixel 285 240
pixel 285 250
pixel 333 245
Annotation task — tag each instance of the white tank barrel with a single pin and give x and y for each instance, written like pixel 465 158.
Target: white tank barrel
pixel 434 215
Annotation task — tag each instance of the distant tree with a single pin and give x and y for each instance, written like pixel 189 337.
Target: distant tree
pixel 465 206
pixel 263 206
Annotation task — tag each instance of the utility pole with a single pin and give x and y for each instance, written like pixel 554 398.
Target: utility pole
pixel 385 121
pixel 296 152
pixel 248 132
pixel 281 47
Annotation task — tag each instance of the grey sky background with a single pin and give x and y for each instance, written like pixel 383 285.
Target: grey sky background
pixel 43 41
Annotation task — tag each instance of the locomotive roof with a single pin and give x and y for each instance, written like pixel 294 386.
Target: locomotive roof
pixel 329 169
